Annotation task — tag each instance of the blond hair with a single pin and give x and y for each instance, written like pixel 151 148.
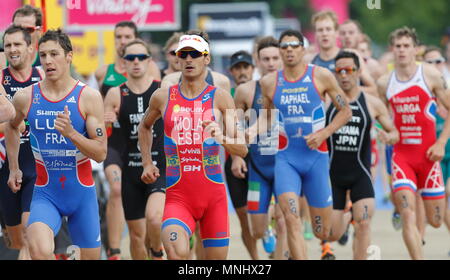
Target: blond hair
pixel 322 15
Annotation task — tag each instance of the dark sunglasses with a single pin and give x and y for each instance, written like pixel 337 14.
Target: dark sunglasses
pixel 132 57
pixel 31 29
pixel 193 54
pixel 172 53
pixel 293 44
pixel 436 61
pixel 345 70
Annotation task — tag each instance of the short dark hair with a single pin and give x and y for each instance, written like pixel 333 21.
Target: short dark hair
pixel 433 49
pixel 130 25
pixel 292 32
pixel 136 42
pixel 15 29
pixel 404 32
pixel 29 10
pixel 58 36
pixel 266 42
pixel 200 33
pixel 355 22
pixel 348 54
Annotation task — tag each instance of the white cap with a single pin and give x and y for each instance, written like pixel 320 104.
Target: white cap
pixel 193 41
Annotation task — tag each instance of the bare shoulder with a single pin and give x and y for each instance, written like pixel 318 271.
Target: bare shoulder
pixel 112 95
pixel 268 79
pixel 372 100
pixel 245 87
pixel 100 73
pixel 171 79
pixel 432 75
pixel 383 81
pixel 244 94
pixel 223 99
pixel 2 60
pixel 22 99
pixel 221 81
pixel 113 91
pixel 91 98
pixel 322 74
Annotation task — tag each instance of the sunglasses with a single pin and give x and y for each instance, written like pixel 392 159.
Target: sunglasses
pixel 436 61
pixel 172 53
pixel 193 54
pixel 345 70
pixel 293 44
pixel 31 29
pixel 132 57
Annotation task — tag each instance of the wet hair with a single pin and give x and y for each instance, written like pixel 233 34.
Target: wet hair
pixel 266 42
pixel 404 32
pixel 136 42
pixel 292 32
pixel 130 25
pixel 58 36
pixel 15 29
pixel 347 54
pixel 29 10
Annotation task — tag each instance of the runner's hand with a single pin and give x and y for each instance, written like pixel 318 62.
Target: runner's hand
pixel 212 128
pixel 387 138
pixel 63 123
pixel 239 167
pixel 111 117
pixel 15 180
pixel 150 174
pixel 436 152
pixel 314 140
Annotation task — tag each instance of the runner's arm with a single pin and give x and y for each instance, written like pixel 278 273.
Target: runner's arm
pixel 441 90
pixel 266 116
pixel 145 136
pixel 21 102
pixel 338 98
pixel 100 74
pixel 112 104
pixel 2 60
pixel 7 111
pixel 232 138
pixel 382 83
pixel 221 81
pixel 93 146
pixel 389 135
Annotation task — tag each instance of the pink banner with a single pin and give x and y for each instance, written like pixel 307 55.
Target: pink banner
pixel 7 12
pixel 147 14
pixel 340 7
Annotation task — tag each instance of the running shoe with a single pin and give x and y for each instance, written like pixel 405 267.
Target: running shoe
pixel 396 221
pixel 269 240
pixel 307 233
pixel 344 238
pixel 158 255
pixel 327 252
pixel 114 254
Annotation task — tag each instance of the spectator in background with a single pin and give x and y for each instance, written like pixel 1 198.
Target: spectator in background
pixel 171 56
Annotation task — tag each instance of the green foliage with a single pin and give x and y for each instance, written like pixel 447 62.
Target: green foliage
pixel 429 17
